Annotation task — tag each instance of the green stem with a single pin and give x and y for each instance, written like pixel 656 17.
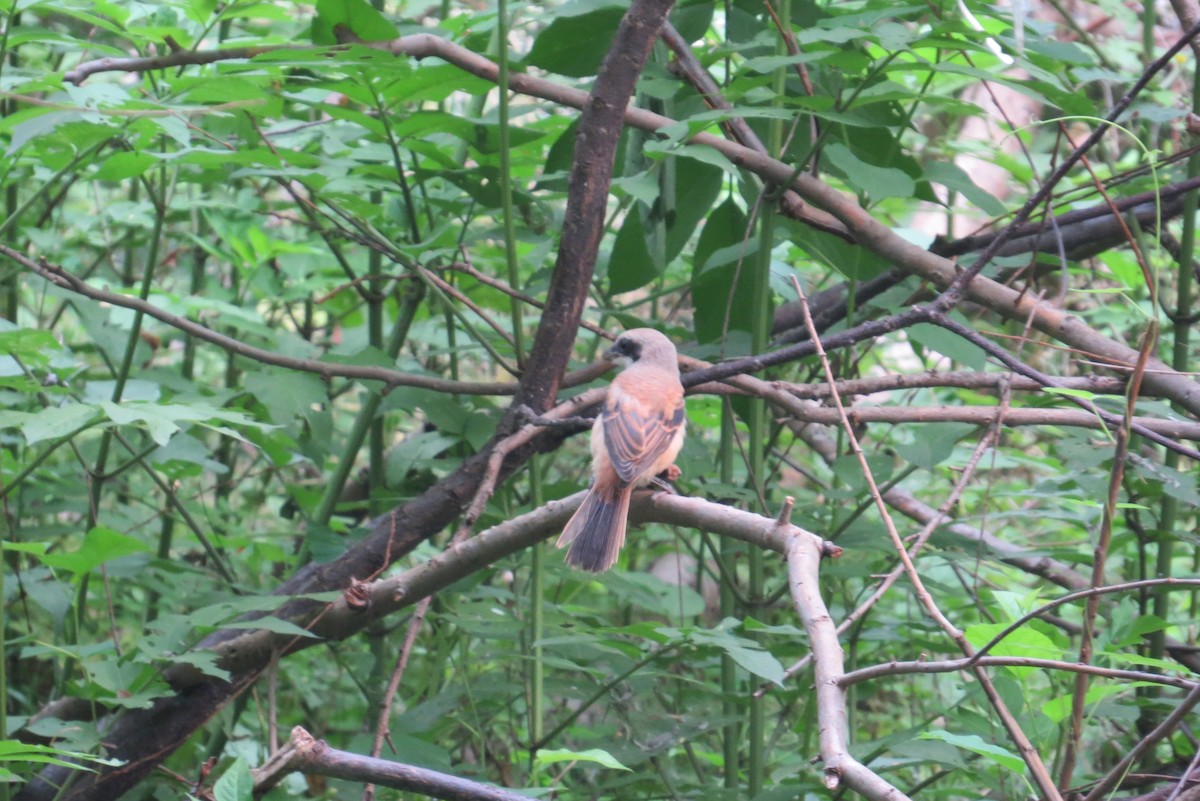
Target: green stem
pixel 510 235
pixel 362 424
pixel 730 741
pixel 1169 511
pixel 537 617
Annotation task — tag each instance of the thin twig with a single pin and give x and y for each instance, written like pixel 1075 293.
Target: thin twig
pixel 1040 775
pixel 953 665
pixel 390 378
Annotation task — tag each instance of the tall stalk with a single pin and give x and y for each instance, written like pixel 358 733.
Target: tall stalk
pixel 1169 521
pixel 730 703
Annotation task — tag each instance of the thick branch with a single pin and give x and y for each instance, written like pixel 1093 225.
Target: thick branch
pixel 587 198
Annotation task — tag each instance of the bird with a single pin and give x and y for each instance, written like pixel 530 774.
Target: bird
pixel 636 436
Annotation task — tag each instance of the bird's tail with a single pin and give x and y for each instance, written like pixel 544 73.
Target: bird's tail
pixel 596 532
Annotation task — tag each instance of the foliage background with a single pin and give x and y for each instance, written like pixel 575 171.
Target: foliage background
pixel 370 237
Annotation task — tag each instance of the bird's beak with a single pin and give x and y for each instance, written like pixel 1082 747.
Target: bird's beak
pixel 610 354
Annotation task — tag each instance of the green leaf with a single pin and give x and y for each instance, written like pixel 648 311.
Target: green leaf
pixel 575 46
pixel 934 444
pixel 1023 642
pixel 273 624
pixel 124 165
pixel 877 182
pixel 52 422
pixel 357 16
pixel 630 264
pixel 17 751
pixel 953 177
pixel 99 545
pixel 975 744
pixel 600 757
pixel 722 274
pixel 697 186
pixel 1059 708
pixel 745 652
pixel 1070 393
pixel 948 344
pixel 236 783
pixel 28 344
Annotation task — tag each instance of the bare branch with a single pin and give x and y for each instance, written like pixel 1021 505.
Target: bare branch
pixel 953 665
pixel 840 767
pixel 1028 753
pixel 390 378
pixel 306 754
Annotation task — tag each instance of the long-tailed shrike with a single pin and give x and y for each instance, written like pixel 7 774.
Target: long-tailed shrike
pixel 637 435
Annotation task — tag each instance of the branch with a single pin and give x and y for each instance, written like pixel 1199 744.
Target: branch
pixel 584 221
pixel 1162 730
pixel 953 665
pixel 986 415
pixel 846 218
pixel 372 601
pixel 1100 385
pixel 1029 754
pixel 832 730
pixel 389 377
pixel 305 754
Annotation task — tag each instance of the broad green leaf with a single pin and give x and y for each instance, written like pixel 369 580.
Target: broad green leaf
pixel 356 16
pixel 549 756
pixel 877 182
pixel 948 344
pixel 17 751
pixel 124 165
pixel 53 421
pixel 745 652
pixel 953 177
pixel 272 624
pixel 976 744
pixel 934 444
pixel 697 186
pixel 574 46
pixel 31 345
pixel 723 274
pixel 1058 709
pixel 630 264
pixel 235 784
pixel 1023 642
pixel 99 545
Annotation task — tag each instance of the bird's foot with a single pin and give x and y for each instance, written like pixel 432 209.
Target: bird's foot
pixel 664 479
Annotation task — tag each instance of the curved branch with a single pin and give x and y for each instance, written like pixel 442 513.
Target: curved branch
pixel 844 215
pixel 953 665
pixel 305 754
pixel 833 735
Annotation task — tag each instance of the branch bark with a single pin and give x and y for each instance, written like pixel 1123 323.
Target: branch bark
pixel 304 753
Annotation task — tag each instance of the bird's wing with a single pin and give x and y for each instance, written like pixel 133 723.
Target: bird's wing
pixel 637 432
